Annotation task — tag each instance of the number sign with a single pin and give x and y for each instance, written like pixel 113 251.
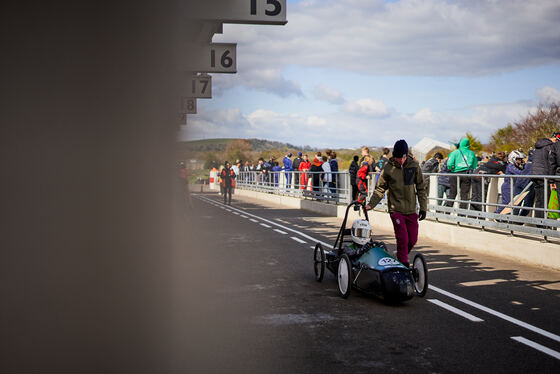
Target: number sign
pixel 201 86
pixel 261 12
pixel 189 105
pixel 182 119
pixel 216 58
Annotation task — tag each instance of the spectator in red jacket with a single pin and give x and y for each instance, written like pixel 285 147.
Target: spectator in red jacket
pixel 362 178
pixel 316 171
pixel 304 167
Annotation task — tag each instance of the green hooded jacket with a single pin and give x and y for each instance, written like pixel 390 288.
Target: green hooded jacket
pixel 463 159
pixel 405 183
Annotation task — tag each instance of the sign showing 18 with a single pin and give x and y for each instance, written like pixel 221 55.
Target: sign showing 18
pixel 189 105
pixel 274 11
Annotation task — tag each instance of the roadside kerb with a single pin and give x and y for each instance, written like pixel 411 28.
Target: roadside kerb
pixel 501 245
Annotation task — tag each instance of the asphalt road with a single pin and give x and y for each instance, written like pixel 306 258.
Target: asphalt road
pixel 253 304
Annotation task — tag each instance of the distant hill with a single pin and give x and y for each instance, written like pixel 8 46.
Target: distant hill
pixel 220 144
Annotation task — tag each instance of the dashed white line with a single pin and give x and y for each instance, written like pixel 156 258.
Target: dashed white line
pixel 280 231
pixel 537 346
pixel 243 216
pixel 277 224
pixel 455 310
pixel 253 220
pixel 298 239
pixel 498 314
pixel 432 287
pixel 234 212
pixel 265 225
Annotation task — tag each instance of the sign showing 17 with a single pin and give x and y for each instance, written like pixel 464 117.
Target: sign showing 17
pixel 201 87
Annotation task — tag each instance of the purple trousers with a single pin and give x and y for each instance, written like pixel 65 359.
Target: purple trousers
pixel 406 232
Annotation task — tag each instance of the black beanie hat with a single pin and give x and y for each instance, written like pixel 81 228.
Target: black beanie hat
pixel 400 149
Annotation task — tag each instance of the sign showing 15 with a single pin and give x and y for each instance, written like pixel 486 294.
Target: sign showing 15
pixel 271 11
pixel 258 12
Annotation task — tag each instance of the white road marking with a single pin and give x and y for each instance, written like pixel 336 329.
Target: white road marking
pixel 244 216
pixel 265 225
pixel 537 346
pixel 455 310
pixel 498 314
pixel 432 287
pixel 486 282
pixel 280 231
pixel 236 213
pixel 443 268
pixel 298 239
pixel 279 225
pixel 253 220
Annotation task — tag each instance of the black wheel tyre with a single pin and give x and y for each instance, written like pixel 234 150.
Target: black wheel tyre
pixel 420 275
pixel 344 276
pixel 319 262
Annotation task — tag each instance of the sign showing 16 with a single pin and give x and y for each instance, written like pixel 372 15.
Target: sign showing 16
pixel 218 58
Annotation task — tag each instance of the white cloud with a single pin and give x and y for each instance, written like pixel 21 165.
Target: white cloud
pixel 268 80
pixel 548 95
pixel 367 107
pixel 408 37
pixel 327 94
pixel 480 120
pixel 362 125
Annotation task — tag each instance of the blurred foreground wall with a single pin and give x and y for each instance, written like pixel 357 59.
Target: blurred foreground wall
pixel 88 122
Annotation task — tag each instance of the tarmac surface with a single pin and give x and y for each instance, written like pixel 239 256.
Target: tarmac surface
pixel 253 304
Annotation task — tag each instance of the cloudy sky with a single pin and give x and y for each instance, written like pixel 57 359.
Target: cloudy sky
pixel 344 73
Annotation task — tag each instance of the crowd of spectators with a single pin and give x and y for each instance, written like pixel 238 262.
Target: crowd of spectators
pixel 543 160
pixel 320 174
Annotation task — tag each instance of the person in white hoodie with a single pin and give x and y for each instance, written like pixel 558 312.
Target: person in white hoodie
pixel 327 175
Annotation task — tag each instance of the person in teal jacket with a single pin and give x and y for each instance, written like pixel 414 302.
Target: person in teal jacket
pixel 461 161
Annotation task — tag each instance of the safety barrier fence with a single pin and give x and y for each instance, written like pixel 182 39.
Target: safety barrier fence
pixel 478 201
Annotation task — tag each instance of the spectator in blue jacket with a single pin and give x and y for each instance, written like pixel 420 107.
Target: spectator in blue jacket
pixel 443 183
pixel 276 169
pixel 334 170
pixel 521 183
pixel 288 168
pixel 514 167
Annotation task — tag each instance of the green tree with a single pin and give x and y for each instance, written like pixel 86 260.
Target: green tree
pixel 501 140
pixel 523 134
pixel 476 145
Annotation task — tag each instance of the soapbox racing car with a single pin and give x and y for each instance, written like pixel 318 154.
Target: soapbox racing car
pixel 371 269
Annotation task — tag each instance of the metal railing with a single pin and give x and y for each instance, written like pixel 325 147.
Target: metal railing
pixel 311 185
pixel 486 211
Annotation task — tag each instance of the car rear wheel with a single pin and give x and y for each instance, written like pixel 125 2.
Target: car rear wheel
pixel 420 275
pixel 344 276
pixel 319 262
